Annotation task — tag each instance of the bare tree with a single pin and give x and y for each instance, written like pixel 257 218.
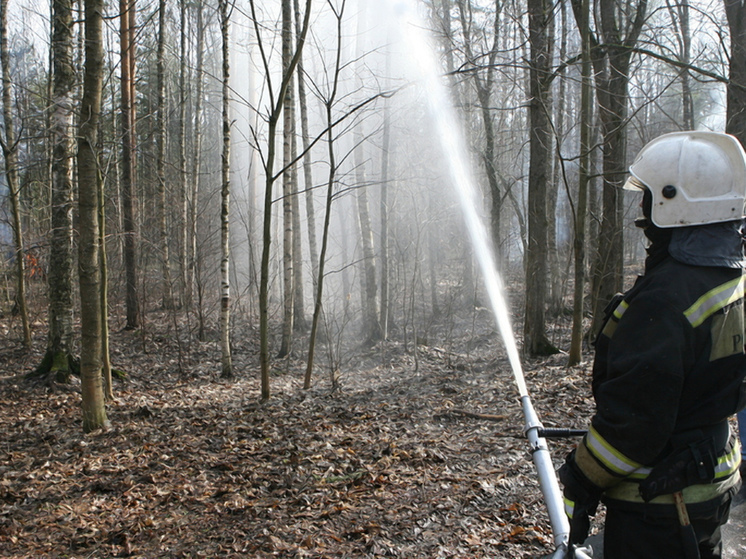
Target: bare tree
pixel 371 331
pixel 288 188
pixel 541 23
pixel 225 341
pixel 94 411
pixel 128 176
pixel 484 85
pixel 276 105
pixel 736 88
pixel 611 52
pixel 579 215
pixel 679 11
pixel 166 290
pixel 59 358
pixel 195 174
pixel 182 182
pixel 10 153
pixel 331 180
pixel 307 164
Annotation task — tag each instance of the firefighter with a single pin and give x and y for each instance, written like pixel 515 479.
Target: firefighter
pixel 670 363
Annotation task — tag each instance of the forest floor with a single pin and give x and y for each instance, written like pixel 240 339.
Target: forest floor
pixel 391 464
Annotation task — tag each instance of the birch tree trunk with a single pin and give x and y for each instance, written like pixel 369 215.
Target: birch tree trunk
pixel 225 341
pixel 94 411
pixel 10 153
pixel 59 358
pixel 287 185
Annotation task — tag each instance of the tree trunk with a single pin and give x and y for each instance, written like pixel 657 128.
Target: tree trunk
pixel 555 302
pixel 299 316
pixel 59 353
pixel 579 216
pixel 195 176
pixel 127 68
pixel 307 163
pixel 317 307
pixel 269 160
pixel 371 326
pixel 94 412
pixel 183 186
pixel 225 334
pixel 103 261
pixel 681 11
pixel 484 87
pixel 611 61
pixel 736 87
pixel 10 152
pixel 166 291
pixel 384 210
pixel 540 37
pixel 288 275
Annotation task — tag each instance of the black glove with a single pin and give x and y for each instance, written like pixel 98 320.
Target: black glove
pixel 581 499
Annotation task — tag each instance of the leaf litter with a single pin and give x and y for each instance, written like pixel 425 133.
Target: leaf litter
pixel 410 459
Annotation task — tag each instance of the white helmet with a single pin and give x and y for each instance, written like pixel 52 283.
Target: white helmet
pixel 694 178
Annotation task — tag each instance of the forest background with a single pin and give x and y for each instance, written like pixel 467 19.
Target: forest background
pixel 255 199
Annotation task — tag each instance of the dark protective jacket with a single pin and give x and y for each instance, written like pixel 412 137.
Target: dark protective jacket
pixel 668 372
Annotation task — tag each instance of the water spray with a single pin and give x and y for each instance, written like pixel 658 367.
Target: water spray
pixel 449 133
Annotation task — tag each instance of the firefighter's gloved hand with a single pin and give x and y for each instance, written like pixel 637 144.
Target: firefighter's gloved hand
pixel 581 499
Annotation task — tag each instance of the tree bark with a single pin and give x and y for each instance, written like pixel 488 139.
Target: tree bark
pixel 59 352
pixel 128 176
pixel 183 185
pixel 540 38
pixel 611 60
pixel 225 335
pixel 10 153
pixel 166 290
pixel 276 104
pixel 371 332
pixel 307 164
pixel 288 269
pixel 94 411
pixel 484 87
pixel 195 176
pixel 329 105
pixel 579 215
pixel 736 87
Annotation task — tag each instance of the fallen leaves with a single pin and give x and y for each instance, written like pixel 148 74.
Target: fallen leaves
pixel 401 463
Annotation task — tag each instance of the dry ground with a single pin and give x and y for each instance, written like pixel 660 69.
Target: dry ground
pixel 390 465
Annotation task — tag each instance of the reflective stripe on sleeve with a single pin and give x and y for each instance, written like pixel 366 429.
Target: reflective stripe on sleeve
pixel 714 300
pixel 728 464
pixel 621 309
pixel 569 507
pixel 611 458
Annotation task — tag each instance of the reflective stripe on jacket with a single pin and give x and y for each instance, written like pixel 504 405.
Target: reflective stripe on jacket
pixel 670 360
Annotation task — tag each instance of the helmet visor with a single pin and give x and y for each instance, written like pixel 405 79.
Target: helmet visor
pixel 633 183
